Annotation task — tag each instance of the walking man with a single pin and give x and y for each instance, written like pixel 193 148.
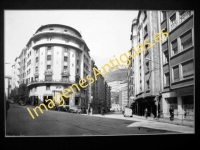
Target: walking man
pixel 171 111
pixel 146 112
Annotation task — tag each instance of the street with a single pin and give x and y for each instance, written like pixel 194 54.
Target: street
pixel 56 123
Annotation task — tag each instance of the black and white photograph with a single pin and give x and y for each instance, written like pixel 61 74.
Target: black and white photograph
pixel 77 73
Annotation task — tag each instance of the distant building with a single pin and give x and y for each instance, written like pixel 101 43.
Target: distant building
pixel 123 98
pixel 16 73
pixel 7 86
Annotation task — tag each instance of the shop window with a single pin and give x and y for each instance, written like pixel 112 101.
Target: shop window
pixel 174 47
pixel 186 40
pixel 188 106
pixel 187 69
pixel 176 73
pixel 172 101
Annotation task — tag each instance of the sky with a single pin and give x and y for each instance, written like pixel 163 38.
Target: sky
pixel 106 32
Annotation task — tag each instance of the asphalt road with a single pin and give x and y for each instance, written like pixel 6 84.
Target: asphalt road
pixel 56 123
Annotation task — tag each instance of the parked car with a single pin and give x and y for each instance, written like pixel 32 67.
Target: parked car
pixel 75 110
pixel 22 103
pixel 11 101
pixel 63 108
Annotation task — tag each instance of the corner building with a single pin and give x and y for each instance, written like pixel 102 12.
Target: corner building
pixel 57 57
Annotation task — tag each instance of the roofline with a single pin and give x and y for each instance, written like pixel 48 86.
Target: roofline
pixel 48 25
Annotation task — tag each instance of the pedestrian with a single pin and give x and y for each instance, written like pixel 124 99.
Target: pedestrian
pixel 146 112
pixel 91 110
pixel 7 107
pixel 102 111
pixel 171 111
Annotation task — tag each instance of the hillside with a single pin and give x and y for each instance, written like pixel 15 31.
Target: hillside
pixel 117 75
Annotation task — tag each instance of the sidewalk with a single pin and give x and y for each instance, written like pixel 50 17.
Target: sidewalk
pixel 148 123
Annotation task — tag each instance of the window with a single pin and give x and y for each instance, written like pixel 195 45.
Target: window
pixel 65 58
pixel 48 78
pixel 186 40
pixel 36 59
pixel 51 29
pixel 77 62
pixel 174 47
pixel 64 78
pixel 66 40
pixel 147 65
pixel 65 49
pixel 184 15
pixel 77 71
pixel 173 21
pixel 48 48
pixel 165 57
pixel 36 69
pixel 163 36
pixel 65 67
pixel 188 69
pixel 147 84
pixel 76 100
pixel 176 73
pixel 48 66
pixel 36 79
pixel 166 79
pixel 48 87
pixel 163 17
pixel 145 31
pixel 48 57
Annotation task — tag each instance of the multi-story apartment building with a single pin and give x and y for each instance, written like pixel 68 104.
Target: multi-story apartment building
pixel 143 71
pixel 163 75
pixel 123 98
pixel 177 59
pixel 22 71
pixel 55 58
pixel 16 73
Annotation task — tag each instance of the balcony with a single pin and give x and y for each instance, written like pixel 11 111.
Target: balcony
pixel 36 74
pixel 65 73
pixel 48 72
pixel 184 16
pixel 50 81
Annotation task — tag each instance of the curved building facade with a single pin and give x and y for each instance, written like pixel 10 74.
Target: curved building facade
pixel 57 57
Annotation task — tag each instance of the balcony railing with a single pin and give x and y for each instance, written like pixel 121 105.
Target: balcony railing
pixel 185 15
pixel 51 81
pixel 48 72
pixel 65 73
